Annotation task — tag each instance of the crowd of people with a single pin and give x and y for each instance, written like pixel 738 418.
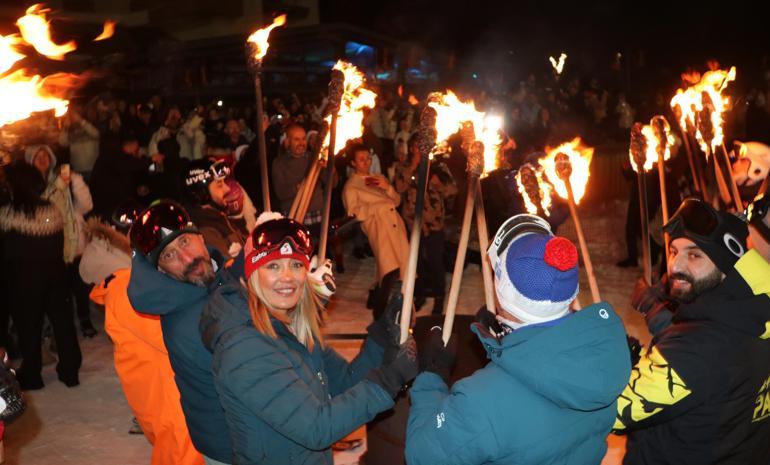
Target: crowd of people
pixel 154 211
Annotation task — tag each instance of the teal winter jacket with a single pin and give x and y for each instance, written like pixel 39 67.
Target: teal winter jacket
pixel 284 404
pixel 548 396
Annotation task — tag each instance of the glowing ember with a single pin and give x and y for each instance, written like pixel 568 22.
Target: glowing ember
pixel 351 116
pixel 534 189
pixel 558 66
pixel 35 30
pixel 454 114
pixel 704 95
pixel 107 32
pixel 413 100
pixel 579 157
pixel 260 36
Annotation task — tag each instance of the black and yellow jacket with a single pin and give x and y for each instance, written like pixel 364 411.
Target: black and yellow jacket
pixel 700 394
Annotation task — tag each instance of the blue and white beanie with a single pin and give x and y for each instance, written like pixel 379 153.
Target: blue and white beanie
pixel 537 277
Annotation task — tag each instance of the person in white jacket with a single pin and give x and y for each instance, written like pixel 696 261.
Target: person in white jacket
pixel 68 192
pixel 82 138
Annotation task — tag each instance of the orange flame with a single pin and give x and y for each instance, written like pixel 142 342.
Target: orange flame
pixel 260 36
pixel 413 100
pixel 23 93
pixel 545 192
pixel 35 30
pixel 452 113
pixel 107 32
pixel 350 118
pixel 690 101
pixel 651 156
pixel 580 158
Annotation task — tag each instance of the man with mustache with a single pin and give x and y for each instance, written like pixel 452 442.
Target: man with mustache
pixel 700 393
pixel 172 273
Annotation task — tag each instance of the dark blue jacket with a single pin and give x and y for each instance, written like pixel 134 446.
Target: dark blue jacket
pixel 284 404
pixel 179 305
pixel 547 396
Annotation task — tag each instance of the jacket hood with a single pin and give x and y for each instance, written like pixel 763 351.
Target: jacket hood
pixel 156 293
pixel 227 308
pixel 580 362
pixel 31 151
pixel 107 251
pixel 741 301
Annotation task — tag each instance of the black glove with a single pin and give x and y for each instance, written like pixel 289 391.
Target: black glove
pixel 393 376
pixel 487 319
pixel 10 392
pixel 436 357
pixel 386 331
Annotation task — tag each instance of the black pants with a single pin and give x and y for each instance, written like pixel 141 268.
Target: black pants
pixel 430 267
pixel 38 289
pixel 78 291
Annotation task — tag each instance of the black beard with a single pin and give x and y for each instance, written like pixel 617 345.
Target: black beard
pixel 201 281
pixel 697 288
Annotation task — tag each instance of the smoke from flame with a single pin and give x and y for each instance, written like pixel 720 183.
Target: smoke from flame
pixel 260 36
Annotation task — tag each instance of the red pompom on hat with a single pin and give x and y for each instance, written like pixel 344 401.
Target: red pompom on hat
pixel 560 253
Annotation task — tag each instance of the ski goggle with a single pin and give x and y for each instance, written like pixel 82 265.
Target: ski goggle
pixel 515 226
pixel 756 213
pixel 220 169
pixel 696 218
pixel 156 224
pixel 271 235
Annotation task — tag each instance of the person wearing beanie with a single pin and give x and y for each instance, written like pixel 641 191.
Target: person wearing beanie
pixel 700 393
pixel 209 199
pixel 549 392
pixel 287 395
pixel 172 273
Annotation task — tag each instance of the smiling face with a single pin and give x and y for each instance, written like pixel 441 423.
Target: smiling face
pixel 42 162
pixel 282 282
pixel 186 259
pixel 690 271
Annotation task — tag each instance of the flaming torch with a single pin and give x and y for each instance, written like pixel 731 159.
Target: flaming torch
pixel 304 194
pixel 426 140
pixel 567 168
pixel 534 190
pixel 661 145
pixel 258 44
pixel 641 163
pixel 345 123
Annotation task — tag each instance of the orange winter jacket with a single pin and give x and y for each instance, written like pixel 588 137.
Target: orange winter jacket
pixel 145 373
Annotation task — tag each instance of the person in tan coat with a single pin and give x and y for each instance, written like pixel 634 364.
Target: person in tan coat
pixel 374 202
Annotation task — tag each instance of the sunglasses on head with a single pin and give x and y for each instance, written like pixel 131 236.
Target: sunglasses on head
pixel 697 218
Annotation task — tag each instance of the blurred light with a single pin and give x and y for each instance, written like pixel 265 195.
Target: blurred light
pixel 219 103
pixel 475 76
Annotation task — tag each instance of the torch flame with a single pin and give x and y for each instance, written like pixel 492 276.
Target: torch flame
pixel 23 93
pixel 35 30
pixel 558 66
pixel 107 32
pixel 452 114
pixel 260 36
pixel 580 158
pixel 545 190
pixel 351 115
pixel 651 154
pixel 687 102
pixel 413 100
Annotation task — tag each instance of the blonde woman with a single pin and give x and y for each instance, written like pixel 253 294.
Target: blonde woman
pixel 286 394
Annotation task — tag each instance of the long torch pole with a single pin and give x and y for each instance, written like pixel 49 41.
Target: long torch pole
pixel 336 89
pixel 564 171
pixel 426 140
pixel 659 126
pixel 643 211
pixel 263 168
pixel 486 267
pixel 733 184
pixel 475 164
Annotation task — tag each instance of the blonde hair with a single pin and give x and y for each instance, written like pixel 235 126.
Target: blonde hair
pixel 304 320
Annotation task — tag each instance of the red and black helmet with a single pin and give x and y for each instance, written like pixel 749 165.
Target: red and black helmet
pixel 156 227
pixel 275 239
